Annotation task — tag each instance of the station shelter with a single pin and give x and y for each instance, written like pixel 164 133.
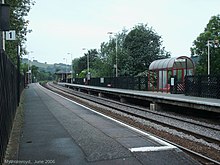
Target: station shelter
pixel 62 76
pixel 162 73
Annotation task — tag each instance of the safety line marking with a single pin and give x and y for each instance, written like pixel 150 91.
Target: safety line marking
pixel 148 149
pixel 128 126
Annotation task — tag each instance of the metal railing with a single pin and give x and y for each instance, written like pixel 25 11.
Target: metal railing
pixel 199 86
pixel 133 83
pixel 11 86
pixel 203 86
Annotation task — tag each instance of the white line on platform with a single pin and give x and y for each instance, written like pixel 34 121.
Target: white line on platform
pixel 148 149
pixel 132 128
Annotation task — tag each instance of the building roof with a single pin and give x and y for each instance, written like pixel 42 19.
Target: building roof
pixel 61 72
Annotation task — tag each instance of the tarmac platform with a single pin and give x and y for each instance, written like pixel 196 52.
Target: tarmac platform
pixel 157 98
pixel 59 131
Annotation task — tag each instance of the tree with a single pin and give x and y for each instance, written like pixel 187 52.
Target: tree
pixel 211 33
pixel 92 57
pixel 34 73
pixel 79 64
pixel 19 9
pixel 24 68
pixel 135 51
pixel 108 54
pixel 142 46
pixel 106 59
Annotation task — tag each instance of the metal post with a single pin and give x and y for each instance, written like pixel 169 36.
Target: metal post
pixel 116 54
pixel 88 73
pixel 2 42
pixel 32 58
pixel 71 68
pixel 66 70
pixel 28 70
pixel 88 63
pixel 18 75
pixel 208 57
pixel 116 60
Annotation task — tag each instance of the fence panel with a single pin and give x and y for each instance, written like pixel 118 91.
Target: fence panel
pixel 203 86
pixel 10 88
pixel 133 83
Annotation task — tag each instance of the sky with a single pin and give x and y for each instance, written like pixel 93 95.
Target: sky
pixel 61 29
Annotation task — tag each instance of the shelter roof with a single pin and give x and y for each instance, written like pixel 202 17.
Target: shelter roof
pixel 172 63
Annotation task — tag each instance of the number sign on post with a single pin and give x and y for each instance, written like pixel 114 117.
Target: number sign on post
pixel 10 35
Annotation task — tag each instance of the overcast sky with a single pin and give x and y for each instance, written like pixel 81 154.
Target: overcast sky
pixel 67 26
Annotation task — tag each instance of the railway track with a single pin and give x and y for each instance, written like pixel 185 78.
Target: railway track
pixel 208 132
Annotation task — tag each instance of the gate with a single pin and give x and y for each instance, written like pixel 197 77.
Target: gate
pixel 177 86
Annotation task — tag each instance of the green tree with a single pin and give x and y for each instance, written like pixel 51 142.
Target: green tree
pixel 24 68
pixel 79 64
pixel 44 76
pixel 135 51
pixel 76 70
pixel 19 9
pixel 199 48
pixel 34 73
pixel 108 54
pixel 142 46
pixel 92 57
pixel 106 59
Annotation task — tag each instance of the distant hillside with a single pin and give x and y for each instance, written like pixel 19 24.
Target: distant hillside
pixel 48 67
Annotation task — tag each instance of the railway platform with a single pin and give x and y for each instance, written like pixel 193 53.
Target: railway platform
pixel 159 99
pixel 59 131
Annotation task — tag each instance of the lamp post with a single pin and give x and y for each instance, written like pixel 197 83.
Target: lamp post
pixel 208 44
pixel 116 54
pixel 32 58
pixel 2 33
pixel 29 71
pixel 88 73
pixel 71 68
pixel 65 68
pixel 209 56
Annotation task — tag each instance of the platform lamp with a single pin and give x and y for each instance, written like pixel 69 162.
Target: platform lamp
pixel 88 73
pixel 29 70
pixel 65 68
pixel 71 67
pixel 216 42
pixel 32 60
pixel 116 53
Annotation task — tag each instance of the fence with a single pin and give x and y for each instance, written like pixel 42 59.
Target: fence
pixel 133 83
pixel 203 86
pixel 200 86
pixel 10 89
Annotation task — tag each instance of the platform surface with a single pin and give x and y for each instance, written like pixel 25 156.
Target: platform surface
pixel 159 95
pixel 159 98
pixel 58 131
